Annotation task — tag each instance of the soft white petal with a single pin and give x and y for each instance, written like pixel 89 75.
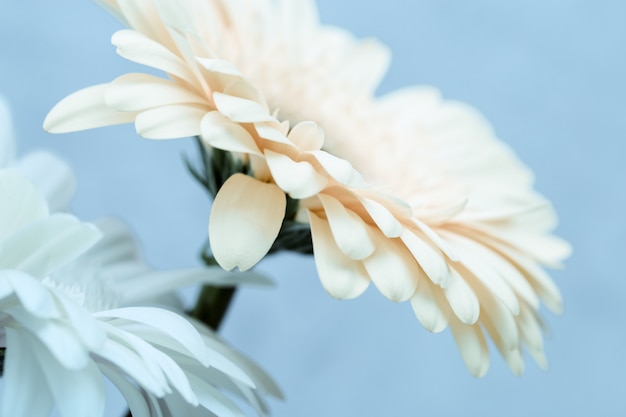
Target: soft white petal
pixel 241 110
pixel 462 298
pixel 20 203
pixel 351 234
pixel 383 218
pixel 307 136
pixel 138 92
pixel 53 178
pixel 339 169
pixel 220 132
pixel 84 109
pixel 473 347
pixel 61 340
pixel 245 220
pixel 169 122
pixel 214 400
pixel 297 178
pixel 136 402
pixel 430 259
pixel 47 244
pixel 22 370
pixel 393 269
pixel 77 393
pixel 341 277
pixel 170 324
pixel 136 47
pixel 430 307
pixel 34 297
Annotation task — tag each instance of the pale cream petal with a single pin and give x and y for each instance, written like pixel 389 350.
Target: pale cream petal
pixel 299 179
pixel 138 48
pixel 307 136
pixel 436 239
pixel 341 277
pixel 430 307
pixel 393 269
pixel 220 132
pixel 220 66
pixel 245 220
pixel 473 347
pixel 351 234
pixel 430 258
pixel 137 92
pixel 241 110
pixel 340 169
pixel 462 298
pixel 169 122
pixel 383 218
pixel 271 132
pixel 84 109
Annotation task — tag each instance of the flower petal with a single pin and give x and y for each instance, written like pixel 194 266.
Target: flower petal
pixel 430 307
pixel 138 48
pixel 169 122
pixel 220 132
pixel 241 110
pixel 307 136
pixel 341 277
pixel 20 370
pixel 137 92
pixel 84 109
pixel 298 179
pixel 351 234
pixel 393 269
pixel 245 220
pixel 472 346
pixel 53 178
pixel 20 203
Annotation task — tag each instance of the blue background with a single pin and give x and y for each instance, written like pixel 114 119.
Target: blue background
pixel 549 75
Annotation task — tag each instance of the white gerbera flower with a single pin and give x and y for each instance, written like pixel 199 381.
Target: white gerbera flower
pixel 64 327
pixel 411 192
pixel 69 315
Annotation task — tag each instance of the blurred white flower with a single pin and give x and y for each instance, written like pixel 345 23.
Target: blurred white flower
pixel 411 192
pixel 70 296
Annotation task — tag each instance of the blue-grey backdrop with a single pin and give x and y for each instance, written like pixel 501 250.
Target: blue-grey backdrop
pixel 549 75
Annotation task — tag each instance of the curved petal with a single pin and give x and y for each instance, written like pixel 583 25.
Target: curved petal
pixel 351 234
pixel 220 132
pixel 84 109
pixel 472 345
pixel 245 220
pixel 393 269
pixel 169 122
pixel 341 277
pixel 138 92
pixel 138 48
pixel 299 179
pixel 22 371
pixel 53 177
pixel 20 203
pixel 241 110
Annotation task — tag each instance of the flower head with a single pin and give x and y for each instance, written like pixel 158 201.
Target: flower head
pixel 407 191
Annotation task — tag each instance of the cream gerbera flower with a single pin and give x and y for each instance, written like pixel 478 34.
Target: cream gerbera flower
pixel 408 191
